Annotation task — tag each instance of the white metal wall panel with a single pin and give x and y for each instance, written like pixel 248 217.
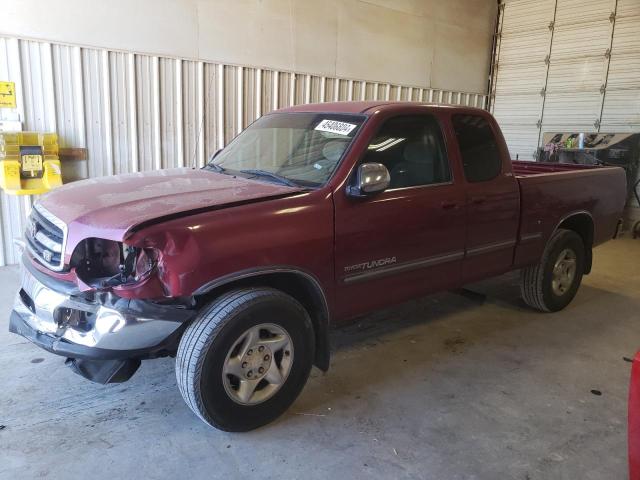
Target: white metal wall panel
pixel 518 109
pixel 148 112
pixel 520 71
pixel 621 108
pixel 575 12
pixel 137 112
pixel 12 209
pixel 213 110
pixel 621 111
pixel 230 102
pixel 192 111
pixel 571 111
pixel 97 113
pixel 572 41
pixel 527 15
pixel 592 82
pixel 577 75
pixel 521 140
pixel 628 8
pixel 37 86
pixel 171 124
pixel 524 48
pixel 578 65
pixel 623 71
pixel 122 112
pixel 521 79
pixel 250 99
pixel 67 91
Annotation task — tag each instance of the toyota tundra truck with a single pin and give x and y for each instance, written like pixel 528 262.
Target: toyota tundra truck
pixel 313 215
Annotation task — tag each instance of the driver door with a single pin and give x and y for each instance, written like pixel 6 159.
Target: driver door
pixel 408 240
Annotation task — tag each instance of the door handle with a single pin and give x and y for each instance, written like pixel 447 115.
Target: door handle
pixel 448 205
pixel 478 200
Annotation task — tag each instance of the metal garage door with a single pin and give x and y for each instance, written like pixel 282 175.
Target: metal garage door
pixel 578 65
pixel 565 65
pixel 621 109
pixel 520 71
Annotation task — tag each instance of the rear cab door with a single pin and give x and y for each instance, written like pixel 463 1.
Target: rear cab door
pixel 492 195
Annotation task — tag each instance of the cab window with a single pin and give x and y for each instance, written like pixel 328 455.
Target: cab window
pixel 412 149
pixel 478 147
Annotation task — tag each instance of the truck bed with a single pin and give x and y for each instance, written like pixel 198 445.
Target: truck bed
pixel 551 192
pixel 528 168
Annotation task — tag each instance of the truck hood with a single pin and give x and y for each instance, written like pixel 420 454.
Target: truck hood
pixel 109 206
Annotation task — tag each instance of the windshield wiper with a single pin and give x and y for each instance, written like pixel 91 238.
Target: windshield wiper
pixel 275 176
pixel 216 167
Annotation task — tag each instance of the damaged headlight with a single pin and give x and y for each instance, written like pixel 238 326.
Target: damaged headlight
pixel 104 263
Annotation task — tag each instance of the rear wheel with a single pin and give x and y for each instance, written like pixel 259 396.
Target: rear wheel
pixel 551 284
pixel 245 359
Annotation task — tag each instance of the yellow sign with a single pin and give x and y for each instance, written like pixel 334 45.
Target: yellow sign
pixel 7 95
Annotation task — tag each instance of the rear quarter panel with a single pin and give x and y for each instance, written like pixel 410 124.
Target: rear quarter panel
pixel 549 198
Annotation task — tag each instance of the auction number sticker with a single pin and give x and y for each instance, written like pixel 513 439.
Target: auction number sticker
pixel 333 126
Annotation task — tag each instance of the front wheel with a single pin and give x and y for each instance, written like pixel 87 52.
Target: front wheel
pixel 551 284
pixel 245 359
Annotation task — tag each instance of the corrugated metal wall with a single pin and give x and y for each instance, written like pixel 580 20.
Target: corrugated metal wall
pixel 136 112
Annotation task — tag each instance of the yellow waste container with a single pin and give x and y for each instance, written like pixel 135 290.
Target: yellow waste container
pixel 29 162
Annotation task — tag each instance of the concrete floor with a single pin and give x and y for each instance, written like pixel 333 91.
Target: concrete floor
pixel 454 386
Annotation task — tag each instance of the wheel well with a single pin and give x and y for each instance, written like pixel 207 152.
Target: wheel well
pixel 582 224
pixel 297 285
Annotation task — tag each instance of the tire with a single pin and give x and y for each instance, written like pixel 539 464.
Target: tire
pixel 537 281
pixel 217 342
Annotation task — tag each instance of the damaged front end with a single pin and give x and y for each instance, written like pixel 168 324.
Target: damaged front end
pixel 100 264
pixel 106 312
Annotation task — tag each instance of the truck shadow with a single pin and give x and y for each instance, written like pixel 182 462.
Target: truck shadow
pixel 504 292
pixel 424 336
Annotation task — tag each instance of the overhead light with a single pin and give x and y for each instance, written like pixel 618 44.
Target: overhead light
pixel 375 146
pixel 395 142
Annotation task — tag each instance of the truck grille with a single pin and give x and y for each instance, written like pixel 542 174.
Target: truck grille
pixel 46 237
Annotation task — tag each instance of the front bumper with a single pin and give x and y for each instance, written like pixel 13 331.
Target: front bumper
pixel 103 328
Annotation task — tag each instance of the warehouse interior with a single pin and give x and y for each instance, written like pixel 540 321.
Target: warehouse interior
pixel 466 383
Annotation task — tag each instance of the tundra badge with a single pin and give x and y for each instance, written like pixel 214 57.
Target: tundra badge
pixel 371 264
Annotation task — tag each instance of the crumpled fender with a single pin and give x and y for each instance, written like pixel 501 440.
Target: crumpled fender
pixel 179 255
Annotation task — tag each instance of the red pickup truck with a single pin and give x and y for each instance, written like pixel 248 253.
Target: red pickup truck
pixel 313 215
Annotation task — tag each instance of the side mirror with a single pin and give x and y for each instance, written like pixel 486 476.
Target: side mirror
pixel 371 178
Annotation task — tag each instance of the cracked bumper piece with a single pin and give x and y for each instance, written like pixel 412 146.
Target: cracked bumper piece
pixel 95 365
pixel 104 339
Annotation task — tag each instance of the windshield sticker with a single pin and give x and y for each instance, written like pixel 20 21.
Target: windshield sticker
pixel 333 126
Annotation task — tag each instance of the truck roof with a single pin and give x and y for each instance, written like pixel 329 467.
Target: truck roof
pixel 368 107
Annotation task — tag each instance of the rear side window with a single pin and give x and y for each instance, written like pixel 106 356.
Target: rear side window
pixel 478 147
pixel 412 149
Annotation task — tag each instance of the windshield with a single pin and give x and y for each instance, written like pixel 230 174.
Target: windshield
pixel 297 148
